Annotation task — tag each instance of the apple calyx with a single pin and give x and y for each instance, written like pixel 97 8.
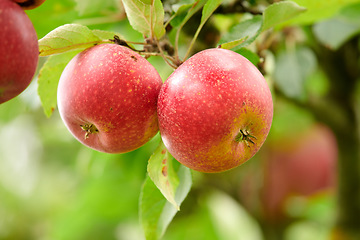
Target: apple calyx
pixel 89 128
pixel 244 135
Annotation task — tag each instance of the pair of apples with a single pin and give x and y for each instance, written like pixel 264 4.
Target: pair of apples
pixel 214 111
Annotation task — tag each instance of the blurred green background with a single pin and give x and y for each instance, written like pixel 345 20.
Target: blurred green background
pixel 52 187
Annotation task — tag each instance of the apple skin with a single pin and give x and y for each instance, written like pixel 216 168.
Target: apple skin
pixel 107 97
pixel 206 102
pixel 19 50
pixel 295 166
pixel 29 4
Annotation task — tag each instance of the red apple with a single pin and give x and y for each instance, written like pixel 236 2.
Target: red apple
pixel 215 111
pixel 107 97
pixel 292 167
pixel 19 50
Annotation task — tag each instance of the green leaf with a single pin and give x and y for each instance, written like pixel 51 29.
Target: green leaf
pixel 317 10
pixel 248 29
pixel 245 32
pixel 66 38
pixel 162 173
pixel 233 44
pixel 292 69
pixel 208 10
pixel 175 7
pixel 185 12
pixel 335 32
pixel 351 13
pixel 49 78
pixel 147 17
pixel 251 56
pixel 146 1
pixel 280 12
pixel 156 212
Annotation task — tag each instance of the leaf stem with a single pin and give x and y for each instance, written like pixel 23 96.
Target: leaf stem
pixel 137 43
pixel 193 40
pixel 171 64
pixel 168 21
pixel 176 49
pixel 195 7
pixel 208 9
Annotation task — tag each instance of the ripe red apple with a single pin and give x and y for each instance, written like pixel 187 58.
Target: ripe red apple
pixel 215 111
pixel 292 167
pixel 29 4
pixel 19 50
pixel 107 98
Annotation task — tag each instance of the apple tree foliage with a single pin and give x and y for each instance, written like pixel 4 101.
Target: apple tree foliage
pixel 286 40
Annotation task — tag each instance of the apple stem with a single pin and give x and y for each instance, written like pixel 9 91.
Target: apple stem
pixel 152 47
pixel 121 42
pixel 89 129
pixel 244 135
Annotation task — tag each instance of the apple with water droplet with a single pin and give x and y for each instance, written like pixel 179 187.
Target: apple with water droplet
pixel 215 111
pixel 107 98
pixel 19 51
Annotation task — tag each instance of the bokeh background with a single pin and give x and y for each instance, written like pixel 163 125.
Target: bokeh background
pixel 52 187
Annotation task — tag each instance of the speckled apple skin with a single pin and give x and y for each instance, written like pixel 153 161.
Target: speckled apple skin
pixel 115 89
pixel 203 105
pixel 19 51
